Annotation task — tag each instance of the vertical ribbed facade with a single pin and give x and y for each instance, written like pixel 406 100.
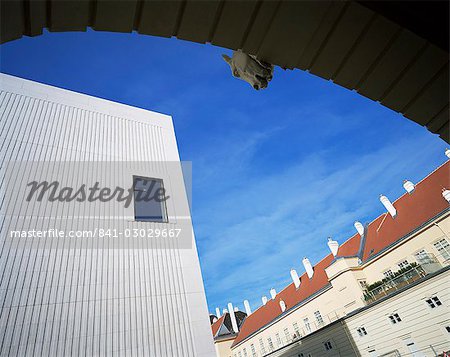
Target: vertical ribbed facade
pixel 101 301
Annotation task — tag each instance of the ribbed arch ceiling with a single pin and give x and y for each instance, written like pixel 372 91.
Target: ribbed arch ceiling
pixel 350 43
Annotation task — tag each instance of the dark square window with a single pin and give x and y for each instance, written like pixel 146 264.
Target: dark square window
pixel 433 302
pixel 395 318
pixel 362 331
pixel 149 200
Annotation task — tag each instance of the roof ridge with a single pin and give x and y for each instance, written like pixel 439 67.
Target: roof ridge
pixel 422 180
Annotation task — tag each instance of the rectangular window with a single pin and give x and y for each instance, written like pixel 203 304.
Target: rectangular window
pixel 270 343
pixel 252 347
pixel 423 257
pixel 287 334
pixel 443 247
pixel 296 329
pixel 328 346
pixel 277 336
pixel 245 352
pixel 403 264
pixel 433 302
pixel 318 318
pixel 395 318
pixel 149 200
pixel 361 331
pixel 307 325
pixel 239 354
pixel 388 273
pixel 261 346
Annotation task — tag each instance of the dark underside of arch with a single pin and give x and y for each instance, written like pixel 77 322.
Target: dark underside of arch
pixel 393 52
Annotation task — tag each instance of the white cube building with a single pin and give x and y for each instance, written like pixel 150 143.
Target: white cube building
pixel 133 290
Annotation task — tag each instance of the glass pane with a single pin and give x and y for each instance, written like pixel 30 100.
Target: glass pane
pixel 149 200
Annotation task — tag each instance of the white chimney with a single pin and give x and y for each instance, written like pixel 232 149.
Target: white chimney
pixel 233 318
pixel 308 267
pixel 264 300
pixel 408 186
pixel 447 153
pixel 224 311
pixel 388 205
pixel 214 319
pixel 217 312
pixel 273 293
pixel 446 194
pixel 360 228
pixel 333 245
pixel 295 278
pixel 236 309
pixel 283 306
pixel 248 311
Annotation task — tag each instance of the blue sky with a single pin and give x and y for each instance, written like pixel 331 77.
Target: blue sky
pixel 275 172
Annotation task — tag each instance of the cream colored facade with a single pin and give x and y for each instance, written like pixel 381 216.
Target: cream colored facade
pixel 223 346
pixel 422 329
pixel 345 291
pixel 424 239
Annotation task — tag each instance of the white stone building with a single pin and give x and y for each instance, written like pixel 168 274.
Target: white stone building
pixel 113 296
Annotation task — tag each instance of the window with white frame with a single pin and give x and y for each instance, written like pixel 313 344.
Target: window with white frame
pixel 403 264
pixel 239 354
pixel 270 343
pixel 443 248
pixel 361 331
pixel 307 324
pixel 296 329
pixel 388 273
pixel 277 337
pixel 287 334
pixel 261 346
pixel 433 302
pixel 422 256
pixel 328 346
pixel 245 352
pixel 318 318
pixel 373 353
pixel 252 348
pixel 394 318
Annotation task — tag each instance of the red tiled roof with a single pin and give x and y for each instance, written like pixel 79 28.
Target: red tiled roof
pixel 216 325
pixel 290 296
pixel 350 247
pixel 412 210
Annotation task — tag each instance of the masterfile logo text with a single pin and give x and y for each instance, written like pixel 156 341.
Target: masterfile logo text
pixel 130 204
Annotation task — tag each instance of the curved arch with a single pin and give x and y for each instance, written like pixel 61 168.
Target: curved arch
pixel 374 49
